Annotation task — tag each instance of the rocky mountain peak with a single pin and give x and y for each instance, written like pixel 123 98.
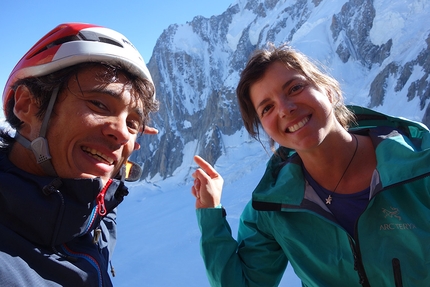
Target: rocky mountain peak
pixel 377 49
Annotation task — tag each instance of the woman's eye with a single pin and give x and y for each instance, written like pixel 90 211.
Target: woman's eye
pixel 265 109
pixel 297 88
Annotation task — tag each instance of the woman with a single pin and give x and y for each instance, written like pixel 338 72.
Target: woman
pixel 345 198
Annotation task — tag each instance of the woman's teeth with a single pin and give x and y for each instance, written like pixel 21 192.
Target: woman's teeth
pixel 298 126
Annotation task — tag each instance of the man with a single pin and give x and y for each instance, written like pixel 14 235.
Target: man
pixel 77 101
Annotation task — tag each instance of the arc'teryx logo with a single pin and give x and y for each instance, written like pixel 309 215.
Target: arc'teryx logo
pixel 395 214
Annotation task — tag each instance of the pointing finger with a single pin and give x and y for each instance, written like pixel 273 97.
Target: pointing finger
pixel 206 167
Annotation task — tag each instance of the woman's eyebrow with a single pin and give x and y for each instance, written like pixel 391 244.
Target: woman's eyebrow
pixel 262 103
pixel 294 78
pixel 286 84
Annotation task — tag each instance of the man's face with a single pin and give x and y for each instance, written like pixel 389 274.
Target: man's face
pixel 94 126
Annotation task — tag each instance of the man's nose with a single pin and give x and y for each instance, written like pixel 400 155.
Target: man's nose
pixel 117 128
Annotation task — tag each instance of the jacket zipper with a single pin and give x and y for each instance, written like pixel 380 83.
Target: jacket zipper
pixel 358 264
pixel 101 208
pixel 86 257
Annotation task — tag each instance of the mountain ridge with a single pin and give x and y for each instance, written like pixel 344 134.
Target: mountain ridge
pixel 378 50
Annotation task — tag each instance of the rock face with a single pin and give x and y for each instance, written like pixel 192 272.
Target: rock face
pixel 377 49
pixel 350 31
pixel 403 75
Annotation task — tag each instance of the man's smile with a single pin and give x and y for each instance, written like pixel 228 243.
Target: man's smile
pixel 98 155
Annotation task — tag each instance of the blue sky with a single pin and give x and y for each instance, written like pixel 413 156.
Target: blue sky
pixel 23 22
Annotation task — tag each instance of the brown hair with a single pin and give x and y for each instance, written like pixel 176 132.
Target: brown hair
pixel 292 59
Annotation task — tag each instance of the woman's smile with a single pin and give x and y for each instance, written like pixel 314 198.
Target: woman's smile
pixel 298 126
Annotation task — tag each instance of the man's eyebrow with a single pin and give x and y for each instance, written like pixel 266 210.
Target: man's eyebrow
pixel 103 90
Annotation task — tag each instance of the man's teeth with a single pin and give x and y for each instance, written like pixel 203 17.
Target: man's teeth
pixel 98 155
pixel 298 126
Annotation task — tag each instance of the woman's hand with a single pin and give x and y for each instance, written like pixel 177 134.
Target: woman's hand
pixel 207 186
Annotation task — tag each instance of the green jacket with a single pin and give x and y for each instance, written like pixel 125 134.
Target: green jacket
pixel 286 221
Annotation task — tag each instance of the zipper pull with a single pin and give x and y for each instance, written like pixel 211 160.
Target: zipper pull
pixel 97 233
pixel 101 208
pixel 397 272
pixel 112 270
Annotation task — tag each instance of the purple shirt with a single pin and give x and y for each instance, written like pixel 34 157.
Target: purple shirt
pixel 346 208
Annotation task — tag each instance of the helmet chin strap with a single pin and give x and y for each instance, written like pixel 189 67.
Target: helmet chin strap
pixel 39 146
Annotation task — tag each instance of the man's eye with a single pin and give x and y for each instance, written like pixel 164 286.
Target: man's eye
pixel 98 104
pixel 135 126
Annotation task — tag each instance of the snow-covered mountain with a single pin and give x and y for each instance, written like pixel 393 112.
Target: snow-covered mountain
pixel 378 50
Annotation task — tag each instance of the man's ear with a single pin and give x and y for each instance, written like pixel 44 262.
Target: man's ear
pixel 136 146
pixel 25 107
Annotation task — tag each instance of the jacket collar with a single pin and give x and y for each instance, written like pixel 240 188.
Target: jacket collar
pixel 398 143
pixel 51 211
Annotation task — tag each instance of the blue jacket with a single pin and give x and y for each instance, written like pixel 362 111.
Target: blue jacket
pixel 49 229
pixel 287 222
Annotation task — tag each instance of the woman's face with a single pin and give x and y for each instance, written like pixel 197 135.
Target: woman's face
pixel 292 110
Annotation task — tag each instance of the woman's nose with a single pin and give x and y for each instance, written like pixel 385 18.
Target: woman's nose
pixel 286 107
